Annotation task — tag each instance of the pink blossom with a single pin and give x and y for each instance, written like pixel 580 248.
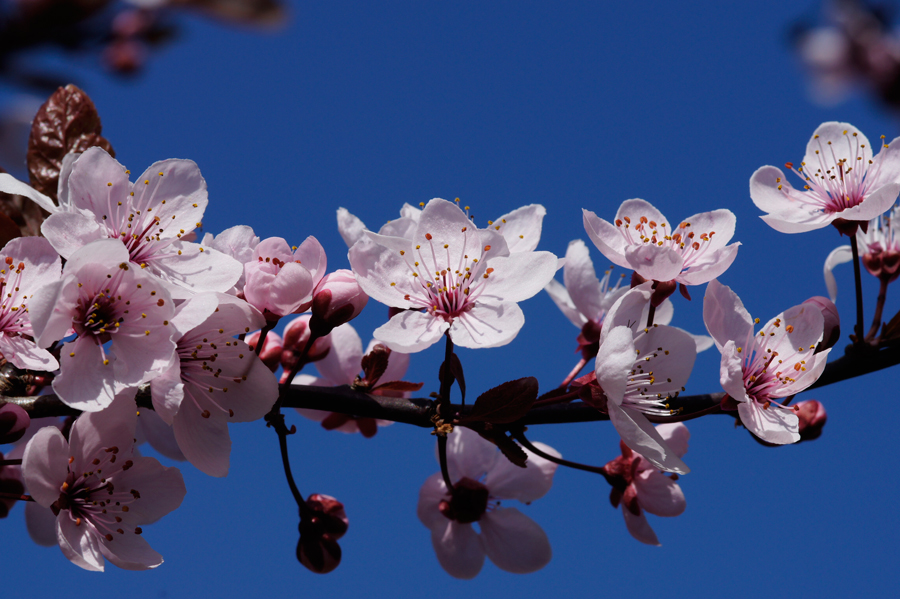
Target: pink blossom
pixel 691 253
pixel 481 478
pixel 639 370
pixel 271 350
pixel 843 183
pixel 101 493
pixel 341 366
pixel 214 380
pixel 758 369
pixel 238 242
pixel 104 298
pixel 149 217
pixel 279 280
pixel 296 337
pixel 639 487
pixel 449 277
pixel 26 264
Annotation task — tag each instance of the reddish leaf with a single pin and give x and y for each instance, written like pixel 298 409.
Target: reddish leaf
pixel 456 374
pixel 8 229
pixel 507 446
pixel 892 329
pixel 375 363
pixel 504 403
pixel 67 122
pixel 399 386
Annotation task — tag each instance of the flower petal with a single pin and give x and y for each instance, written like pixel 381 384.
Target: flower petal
pixel 659 494
pixel 638 434
pixel 514 542
pixel 505 480
pixel 45 465
pixel 458 549
pixel 775 425
pixel 639 527
pixel 487 325
pixel 78 544
pixel 725 316
pixel 838 255
pixel 411 332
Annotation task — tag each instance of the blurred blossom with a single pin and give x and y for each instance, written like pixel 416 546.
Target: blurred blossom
pixel 482 477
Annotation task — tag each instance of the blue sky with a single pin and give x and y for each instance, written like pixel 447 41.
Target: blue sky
pixel 571 105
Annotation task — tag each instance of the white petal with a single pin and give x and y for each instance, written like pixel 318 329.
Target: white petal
pixel 564 302
pixel 45 465
pixel 522 227
pixel 78 544
pixel 468 455
pixel 639 527
pixel 638 434
pixel 725 316
pixel 614 361
pixel 10 184
pixel 838 255
pixel 505 480
pixel 350 227
pixel 411 332
pixel 487 325
pixel 514 542
pixel 659 494
pixel 582 282
pixel 774 425
pixel 458 549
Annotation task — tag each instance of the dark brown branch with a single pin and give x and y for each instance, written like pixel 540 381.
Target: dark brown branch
pixel 418 411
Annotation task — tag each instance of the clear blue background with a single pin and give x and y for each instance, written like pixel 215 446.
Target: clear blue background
pixel 572 105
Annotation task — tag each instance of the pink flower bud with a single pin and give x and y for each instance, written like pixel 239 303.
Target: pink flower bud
pixel 812 417
pixel 271 350
pixel 337 299
pixel 832 331
pixel 296 336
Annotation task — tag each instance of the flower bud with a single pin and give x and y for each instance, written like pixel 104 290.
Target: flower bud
pixel 832 331
pixel 337 299
pixel 320 529
pixel 13 423
pixel 11 484
pixel 812 417
pixel 271 349
pixel 296 336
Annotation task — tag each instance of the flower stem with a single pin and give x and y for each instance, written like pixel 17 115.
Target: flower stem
pixel 859 299
pixel 301 359
pixel 581 364
pixel 442 454
pixel 262 335
pixel 879 308
pixel 520 437
pixel 276 421
pixel 650 315
pixel 444 408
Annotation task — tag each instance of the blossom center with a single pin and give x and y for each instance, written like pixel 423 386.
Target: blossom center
pixel 692 245
pixel 467 503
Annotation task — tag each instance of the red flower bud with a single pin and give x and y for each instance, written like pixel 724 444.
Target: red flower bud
pixel 337 299
pixel 318 548
pixel 812 419
pixel 271 349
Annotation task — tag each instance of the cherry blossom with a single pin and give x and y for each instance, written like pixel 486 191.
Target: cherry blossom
pixel 449 277
pixel 149 217
pixel 280 280
pixel 758 369
pixel 521 228
pixel 481 478
pixel 26 264
pixel 341 366
pixel 101 493
pixel 879 248
pixel 214 380
pixel 104 298
pixel 238 242
pixel 639 369
pixel 691 253
pixel 639 487
pixel 843 183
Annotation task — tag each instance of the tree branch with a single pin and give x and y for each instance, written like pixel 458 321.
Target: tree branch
pixel 418 411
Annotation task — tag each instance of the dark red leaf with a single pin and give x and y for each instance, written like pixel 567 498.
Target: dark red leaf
pixel 507 446
pixel 8 229
pixel 67 122
pixel 504 403
pixel 399 386
pixel 375 363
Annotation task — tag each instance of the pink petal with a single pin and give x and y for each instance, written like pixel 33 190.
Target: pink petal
pixel 519 276
pixel 725 316
pixel 154 430
pixel 522 227
pixel 84 382
pixel 111 427
pixel 468 455
pixel 638 434
pixel 775 425
pixel 563 301
pixel 487 325
pixel 431 494
pixel 130 552
pixel 411 332
pixel 70 231
pixel 458 549
pixel 342 364
pixel 639 527
pixel 838 255
pixel 161 489
pixel 614 361
pixel 505 480
pixel 45 465
pixel 714 265
pixel 205 442
pixel 78 544
pixel 659 494
pixel 607 238
pixel 653 262
pixel 10 184
pixel 514 542
pixel 581 280
pixel 350 227
pixel 676 435
pixel 25 354
pixel 41 524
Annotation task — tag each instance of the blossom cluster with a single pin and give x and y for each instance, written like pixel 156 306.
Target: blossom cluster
pixel 118 303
